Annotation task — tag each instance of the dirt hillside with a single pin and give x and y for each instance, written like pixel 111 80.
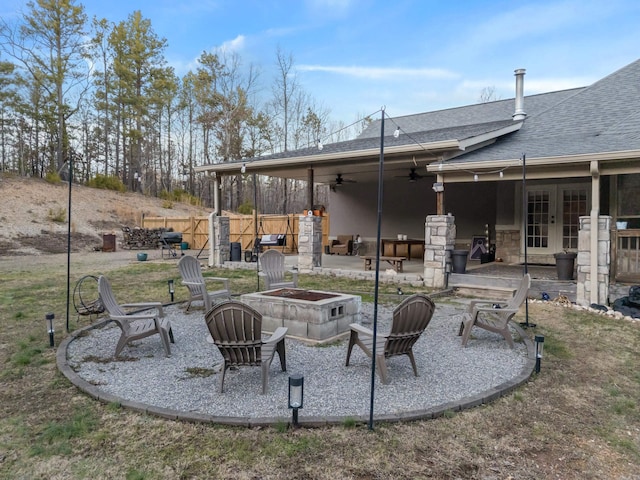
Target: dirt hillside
pixel 34 215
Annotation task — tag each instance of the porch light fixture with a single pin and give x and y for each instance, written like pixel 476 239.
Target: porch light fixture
pixel 396 133
pixel 296 395
pixel 501 174
pixel 49 318
pixel 172 288
pixel 475 177
pixel 438 187
pixel 243 168
pixel 539 339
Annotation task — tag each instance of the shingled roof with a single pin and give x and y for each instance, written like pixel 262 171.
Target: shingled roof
pixel 604 117
pixel 597 119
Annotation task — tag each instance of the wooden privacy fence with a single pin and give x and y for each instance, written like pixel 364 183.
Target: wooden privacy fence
pixel 195 230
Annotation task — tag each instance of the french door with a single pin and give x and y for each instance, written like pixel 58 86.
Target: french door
pixel 553 213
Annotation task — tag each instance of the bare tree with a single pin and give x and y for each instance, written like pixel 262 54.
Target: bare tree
pixel 488 94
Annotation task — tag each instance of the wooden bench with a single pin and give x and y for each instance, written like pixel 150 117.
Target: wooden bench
pixel 395 262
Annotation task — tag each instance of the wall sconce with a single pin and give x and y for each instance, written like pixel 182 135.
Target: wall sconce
pixel 49 318
pixel 172 288
pixel 438 187
pixel 539 339
pixel 296 395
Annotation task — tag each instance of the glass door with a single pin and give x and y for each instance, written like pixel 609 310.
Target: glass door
pixel 553 217
pixel 574 205
pixel 541 219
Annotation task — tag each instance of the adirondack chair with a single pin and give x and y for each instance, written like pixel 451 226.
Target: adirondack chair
pixel 135 326
pixel 236 329
pixel 410 318
pixel 196 283
pixel 273 271
pixel 494 316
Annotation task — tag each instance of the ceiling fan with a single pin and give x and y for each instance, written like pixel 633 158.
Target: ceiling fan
pixel 341 181
pixel 413 175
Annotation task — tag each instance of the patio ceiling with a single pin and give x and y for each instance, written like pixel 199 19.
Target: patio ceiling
pixel 359 159
pixel 361 165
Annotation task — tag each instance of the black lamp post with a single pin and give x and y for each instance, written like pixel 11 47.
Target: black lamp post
pixel 525 226
pixel 296 395
pixel 539 339
pixel 377 275
pixel 172 289
pixel 49 318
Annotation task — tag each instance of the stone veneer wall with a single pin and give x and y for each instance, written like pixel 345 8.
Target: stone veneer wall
pixel 219 247
pixel 583 287
pixel 309 243
pixel 439 239
pixel 508 245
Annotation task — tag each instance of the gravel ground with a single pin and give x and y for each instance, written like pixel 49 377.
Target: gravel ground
pixel 186 381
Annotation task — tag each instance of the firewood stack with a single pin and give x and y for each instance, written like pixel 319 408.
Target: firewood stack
pixel 141 238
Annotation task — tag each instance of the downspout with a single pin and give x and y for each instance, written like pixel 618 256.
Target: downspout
pixel 212 240
pixel 216 194
pixel 595 230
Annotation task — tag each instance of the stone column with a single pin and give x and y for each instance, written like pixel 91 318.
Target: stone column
pixel 439 239
pixel 508 244
pixel 219 246
pixel 583 287
pixel 309 243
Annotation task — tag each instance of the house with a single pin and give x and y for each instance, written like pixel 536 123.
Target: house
pixel 569 159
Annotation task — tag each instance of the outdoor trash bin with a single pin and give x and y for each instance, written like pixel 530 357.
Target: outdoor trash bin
pixel 236 252
pixel 108 242
pixel 565 263
pixel 459 260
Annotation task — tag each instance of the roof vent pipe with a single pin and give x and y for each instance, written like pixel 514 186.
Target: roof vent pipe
pixel 519 114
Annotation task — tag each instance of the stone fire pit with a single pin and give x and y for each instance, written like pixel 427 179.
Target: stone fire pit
pixel 312 315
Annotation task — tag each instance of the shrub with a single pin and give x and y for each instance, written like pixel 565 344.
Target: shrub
pixel 178 195
pixel 58 215
pixel 107 182
pixel 52 177
pixel 246 208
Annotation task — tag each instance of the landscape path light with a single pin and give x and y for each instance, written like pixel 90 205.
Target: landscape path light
pixel 172 288
pixel 539 339
pixel 49 318
pixel 296 395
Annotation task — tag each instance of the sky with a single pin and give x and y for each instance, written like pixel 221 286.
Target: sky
pixel 410 56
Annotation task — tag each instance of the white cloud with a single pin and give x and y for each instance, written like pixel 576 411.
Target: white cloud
pixel 234 45
pixel 532 85
pixel 380 72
